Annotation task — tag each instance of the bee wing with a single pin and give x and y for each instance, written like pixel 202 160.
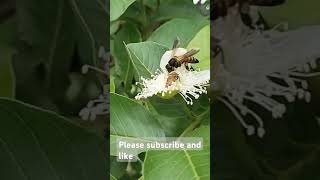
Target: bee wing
pixel 188 54
pixel 175 45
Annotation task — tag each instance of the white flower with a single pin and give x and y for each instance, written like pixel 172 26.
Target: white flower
pixel 189 84
pixel 94 108
pixel 98 106
pixel 258 66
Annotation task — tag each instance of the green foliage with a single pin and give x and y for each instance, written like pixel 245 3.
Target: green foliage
pixel 130 119
pixel 147 29
pixel 185 29
pixel 118 7
pixel 146 57
pixel 7 79
pixel 294 13
pixel 38 144
pixel 202 42
pixel 53 34
pixel 43 46
pixel 180 165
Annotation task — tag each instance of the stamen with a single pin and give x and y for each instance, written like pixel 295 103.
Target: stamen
pixel 249 128
pixel 86 68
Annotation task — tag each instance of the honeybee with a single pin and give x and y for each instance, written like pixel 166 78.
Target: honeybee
pixel 172 77
pixel 177 61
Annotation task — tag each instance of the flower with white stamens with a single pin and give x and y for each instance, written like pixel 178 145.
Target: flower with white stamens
pixel 99 106
pixel 259 65
pixel 190 84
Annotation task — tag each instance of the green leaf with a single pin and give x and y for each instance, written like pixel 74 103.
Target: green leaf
pixel 48 46
pixel 8 39
pixel 130 119
pixel 129 33
pixel 114 26
pixel 176 9
pixel 91 28
pixel 7 78
pixel 288 13
pixel 173 114
pixel 118 7
pixel 151 3
pixel 50 35
pixel 185 29
pixel 187 164
pixel 37 144
pixel 202 41
pixel 146 57
pixel 117 169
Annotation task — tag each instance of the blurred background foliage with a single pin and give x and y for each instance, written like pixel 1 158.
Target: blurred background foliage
pixel 43 45
pixel 290 148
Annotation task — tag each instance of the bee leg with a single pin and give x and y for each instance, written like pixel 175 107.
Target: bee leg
pixel 187 67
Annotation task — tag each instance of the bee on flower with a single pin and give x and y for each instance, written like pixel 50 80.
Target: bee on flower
pixel 176 76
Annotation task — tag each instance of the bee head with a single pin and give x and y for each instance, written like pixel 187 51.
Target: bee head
pixel 173 62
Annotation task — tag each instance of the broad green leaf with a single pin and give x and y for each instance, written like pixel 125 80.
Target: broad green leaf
pixel 90 28
pixel 117 169
pixel 180 165
pixel 7 78
pixel 48 48
pixel 130 119
pixel 202 41
pixel 294 13
pixel 176 9
pixel 118 7
pixel 151 3
pixel 8 38
pixel 146 57
pixel 114 26
pixel 50 35
pixel 37 144
pixel 129 33
pixel 173 114
pixel 185 29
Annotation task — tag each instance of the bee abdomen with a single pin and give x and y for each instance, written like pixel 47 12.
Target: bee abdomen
pixel 193 60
